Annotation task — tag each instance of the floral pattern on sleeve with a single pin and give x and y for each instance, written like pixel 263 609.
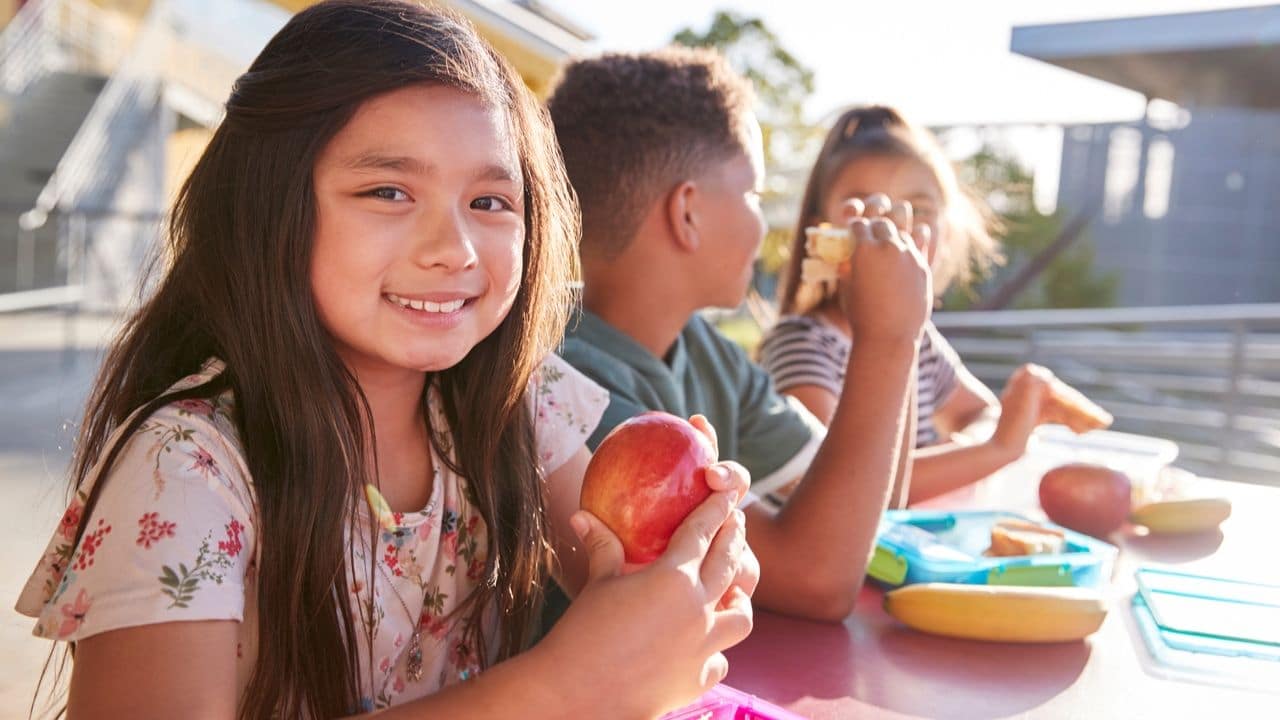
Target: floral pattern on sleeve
pixel 567 406
pixel 174 519
pixel 209 565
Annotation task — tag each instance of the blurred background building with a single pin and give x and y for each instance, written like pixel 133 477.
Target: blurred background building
pixel 1182 202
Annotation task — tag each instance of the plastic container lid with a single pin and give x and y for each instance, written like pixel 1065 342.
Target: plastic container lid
pixel 1209 630
pixel 1217 615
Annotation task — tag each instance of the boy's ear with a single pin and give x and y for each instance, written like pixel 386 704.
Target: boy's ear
pixel 682 215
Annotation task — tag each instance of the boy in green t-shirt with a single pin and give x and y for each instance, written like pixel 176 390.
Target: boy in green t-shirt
pixel 665 155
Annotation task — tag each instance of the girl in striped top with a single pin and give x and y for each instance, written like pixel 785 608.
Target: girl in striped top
pixel 870 155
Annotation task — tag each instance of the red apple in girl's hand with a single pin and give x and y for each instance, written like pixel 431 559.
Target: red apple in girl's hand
pixel 647 475
pixel 1090 499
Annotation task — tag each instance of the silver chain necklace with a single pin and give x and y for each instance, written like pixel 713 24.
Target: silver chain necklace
pixel 413 663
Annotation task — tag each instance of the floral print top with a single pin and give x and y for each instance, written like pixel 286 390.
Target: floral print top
pixel 174 537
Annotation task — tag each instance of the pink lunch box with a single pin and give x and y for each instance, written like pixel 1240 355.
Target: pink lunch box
pixel 725 703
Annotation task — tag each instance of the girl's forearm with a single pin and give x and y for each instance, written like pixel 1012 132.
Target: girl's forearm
pixel 942 468
pixel 524 686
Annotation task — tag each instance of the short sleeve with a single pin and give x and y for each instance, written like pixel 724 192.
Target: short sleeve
pixel 945 367
pixel 171 538
pixel 777 435
pixel 566 408
pixel 798 351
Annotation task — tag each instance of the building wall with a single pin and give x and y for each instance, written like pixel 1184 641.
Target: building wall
pixel 1185 215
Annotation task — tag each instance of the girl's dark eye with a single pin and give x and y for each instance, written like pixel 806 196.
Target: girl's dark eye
pixel 387 193
pixel 490 203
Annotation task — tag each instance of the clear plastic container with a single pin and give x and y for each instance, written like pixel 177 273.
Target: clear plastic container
pixel 1145 460
pixel 725 703
pixel 1138 456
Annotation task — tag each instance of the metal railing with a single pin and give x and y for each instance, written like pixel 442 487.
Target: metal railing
pixel 132 90
pixel 25 46
pixel 1206 377
pixel 90 257
pixel 148 67
pixel 46 35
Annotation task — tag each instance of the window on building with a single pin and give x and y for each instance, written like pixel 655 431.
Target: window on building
pixel 1159 178
pixel 1123 148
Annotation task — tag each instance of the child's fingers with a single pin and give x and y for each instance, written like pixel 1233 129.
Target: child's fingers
pixel 604 550
pixel 878 205
pixel 732 623
pixel 735 600
pixel 884 231
pixel 914 249
pixel 748 570
pixel 851 208
pixel 720 568
pixel 689 543
pixel 860 230
pixel 902 215
pixel 714 671
pixel 923 237
pixel 704 426
pixel 729 476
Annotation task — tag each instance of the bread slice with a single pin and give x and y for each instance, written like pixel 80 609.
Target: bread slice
pixel 1065 405
pixel 1019 537
pixel 832 245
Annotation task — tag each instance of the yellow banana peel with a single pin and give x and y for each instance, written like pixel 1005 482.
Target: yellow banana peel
pixel 1185 515
pixel 999 613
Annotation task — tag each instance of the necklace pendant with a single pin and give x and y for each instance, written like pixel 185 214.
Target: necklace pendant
pixel 413 663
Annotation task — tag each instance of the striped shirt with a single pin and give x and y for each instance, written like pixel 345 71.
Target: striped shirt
pixel 802 350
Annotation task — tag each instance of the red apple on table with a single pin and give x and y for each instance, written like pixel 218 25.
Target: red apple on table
pixel 646 477
pixel 1090 499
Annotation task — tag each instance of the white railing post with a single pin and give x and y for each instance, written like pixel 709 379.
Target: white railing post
pixel 24 44
pixel 1231 399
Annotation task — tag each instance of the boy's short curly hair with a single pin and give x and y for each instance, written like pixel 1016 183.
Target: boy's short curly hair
pixel 633 125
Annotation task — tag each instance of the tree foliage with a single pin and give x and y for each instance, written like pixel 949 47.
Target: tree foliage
pixel 1070 281
pixel 782 83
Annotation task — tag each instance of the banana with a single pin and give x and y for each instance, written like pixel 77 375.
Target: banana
pixel 1187 515
pixel 999 613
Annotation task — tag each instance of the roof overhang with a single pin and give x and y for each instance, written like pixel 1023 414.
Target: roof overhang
pixel 1214 58
pixel 534 44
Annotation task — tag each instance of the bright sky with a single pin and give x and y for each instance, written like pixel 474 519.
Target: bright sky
pixel 942 62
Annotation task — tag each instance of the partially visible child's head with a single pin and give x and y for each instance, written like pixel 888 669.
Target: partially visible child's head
pixel 634 127
pixel 875 150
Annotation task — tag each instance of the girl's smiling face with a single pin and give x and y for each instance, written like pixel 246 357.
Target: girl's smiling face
pixel 420 229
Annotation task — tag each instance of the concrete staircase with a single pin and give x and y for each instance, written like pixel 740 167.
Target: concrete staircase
pixel 36 128
pixel 88 100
